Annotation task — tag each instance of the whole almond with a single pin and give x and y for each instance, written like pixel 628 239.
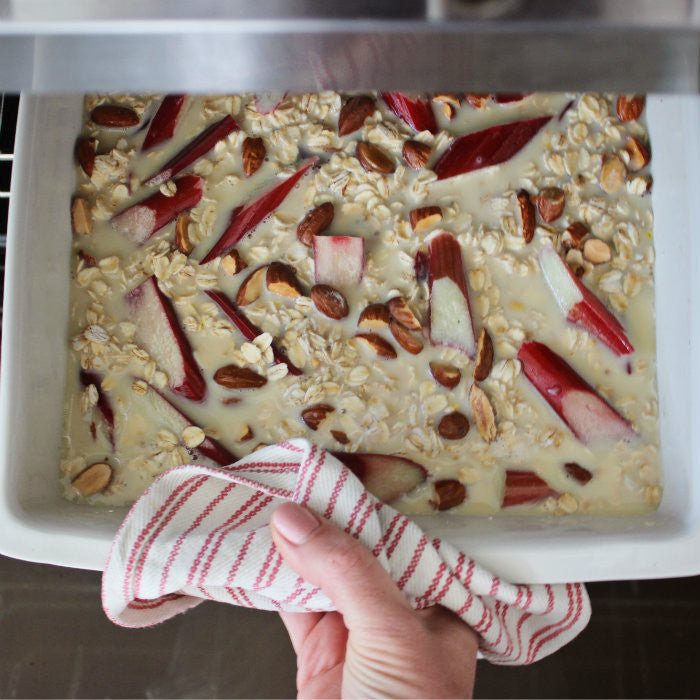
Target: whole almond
pixel 639 155
pixel 449 102
pixel 340 436
pixel 453 426
pixel 444 374
pixel 401 311
pixel 329 301
pixel 550 203
pixel 281 279
pixel 252 287
pixel 253 153
pixel 381 347
pixel 114 116
pixel 574 234
pixel 484 356
pixel 404 337
pixel 314 415
pixel 526 210
pixel 483 413
pixel 374 316
pixel 597 251
pixel 449 492
pixel 234 377
pixel 424 217
pixel 374 159
pixel 233 263
pixel 477 99
pixel 182 237
pixel 629 107
pixel 354 113
pixel 612 174
pixel 85 154
pixel 315 223
pixel 93 479
pixel 416 154
pixel 80 216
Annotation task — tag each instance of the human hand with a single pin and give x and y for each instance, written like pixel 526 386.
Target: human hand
pixel 375 644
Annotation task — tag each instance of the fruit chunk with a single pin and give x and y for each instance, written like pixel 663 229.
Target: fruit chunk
pixel 424 217
pixel 159 332
pixel 253 154
pixel 588 415
pixel 453 426
pixel 249 331
pixel 488 147
pixel 315 223
pixel 374 159
pixel 421 266
pixel 314 415
pixel 450 493
pixel 450 314
pixel 417 112
pixel 329 301
pixel 140 221
pixel 104 406
pixel 506 97
pixel 580 306
pixel 162 126
pixel 416 154
pixel 339 260
pixel 114 116
pixel 235 377
pixel 245 218
pixel 354 113
pixel 194 150
pixel 524 486
pixel 387 477
pixel 578 473
pixel 93 479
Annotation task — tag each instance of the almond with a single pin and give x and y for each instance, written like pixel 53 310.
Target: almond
pixel 450 493
pixel 453 426
pixel 233 263
pixel 246 434
pixel 315 223
pixel 85 154
pixel 446 375
pixel 374 316
pixel 416 154
pixel 449 102
pixel 377 344
pixel 259 446
pixel 526 210
pixel 329 301
pixel 234 377
pixel 404 337
pixel 578 473
pixel 80 216
pixel 401 311
pixel 484 356
pixel 354 113
pixel 483 413
pixel 596 251
pixel 253 153
pixel 114 116
pixel 574 234
pixel 629 107
pixel 424 217
pixel 314 415
pixel 550 203
pixel 252 287
pixel 182 237
pixel 476 99
pixel 88 259
pixel 639 155
pixel 374 159
pixel 340 436
pixel 612 174
pixel 281 279
pixel 93 479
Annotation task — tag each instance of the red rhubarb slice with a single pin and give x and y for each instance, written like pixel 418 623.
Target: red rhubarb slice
pixel 248 330
pixel 524 486
pixel 417 112
pixel 160 333
pixel 162 126
pixel 387 477
pixel 140 221
pixel 491 146
pixel 421 266
pixel 450 314
pixel 194 150
pixel 580 306
pixel 178 421
pixel 507 97
pixel 245 218
pixel 339 260
pixel 104 405
pixel 590 417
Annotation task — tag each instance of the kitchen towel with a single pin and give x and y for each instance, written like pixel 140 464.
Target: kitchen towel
pixel 201 533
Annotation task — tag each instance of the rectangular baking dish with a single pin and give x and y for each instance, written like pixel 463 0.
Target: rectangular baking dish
pixel 36 524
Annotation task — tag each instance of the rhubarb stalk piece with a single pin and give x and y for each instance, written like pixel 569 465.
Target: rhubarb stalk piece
pixel 491 146
pixel 507 97
pixel 524 486
pixel 580 306
pixel 194 150
pixel 590 417
pixel 417 112
pixel 141 221
pixel 160 333
pixel 249 331
pixel 339 260
pixel 451 321
pixel 245 218
pixel 104 406
pixel 162 126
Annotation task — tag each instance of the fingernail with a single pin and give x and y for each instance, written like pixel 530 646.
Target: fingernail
pixel 294 522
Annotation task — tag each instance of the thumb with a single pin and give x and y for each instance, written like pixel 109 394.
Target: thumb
pixel 346 571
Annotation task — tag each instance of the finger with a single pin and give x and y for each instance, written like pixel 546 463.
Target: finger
pixel 342 567
pixel 299 626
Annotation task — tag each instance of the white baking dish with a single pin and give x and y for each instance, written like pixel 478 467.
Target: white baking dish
pixel 36 524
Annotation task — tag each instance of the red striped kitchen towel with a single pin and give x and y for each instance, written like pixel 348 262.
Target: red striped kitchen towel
pixel 200 533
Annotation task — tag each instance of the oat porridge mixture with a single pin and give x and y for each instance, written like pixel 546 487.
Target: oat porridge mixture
pixel 456 290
